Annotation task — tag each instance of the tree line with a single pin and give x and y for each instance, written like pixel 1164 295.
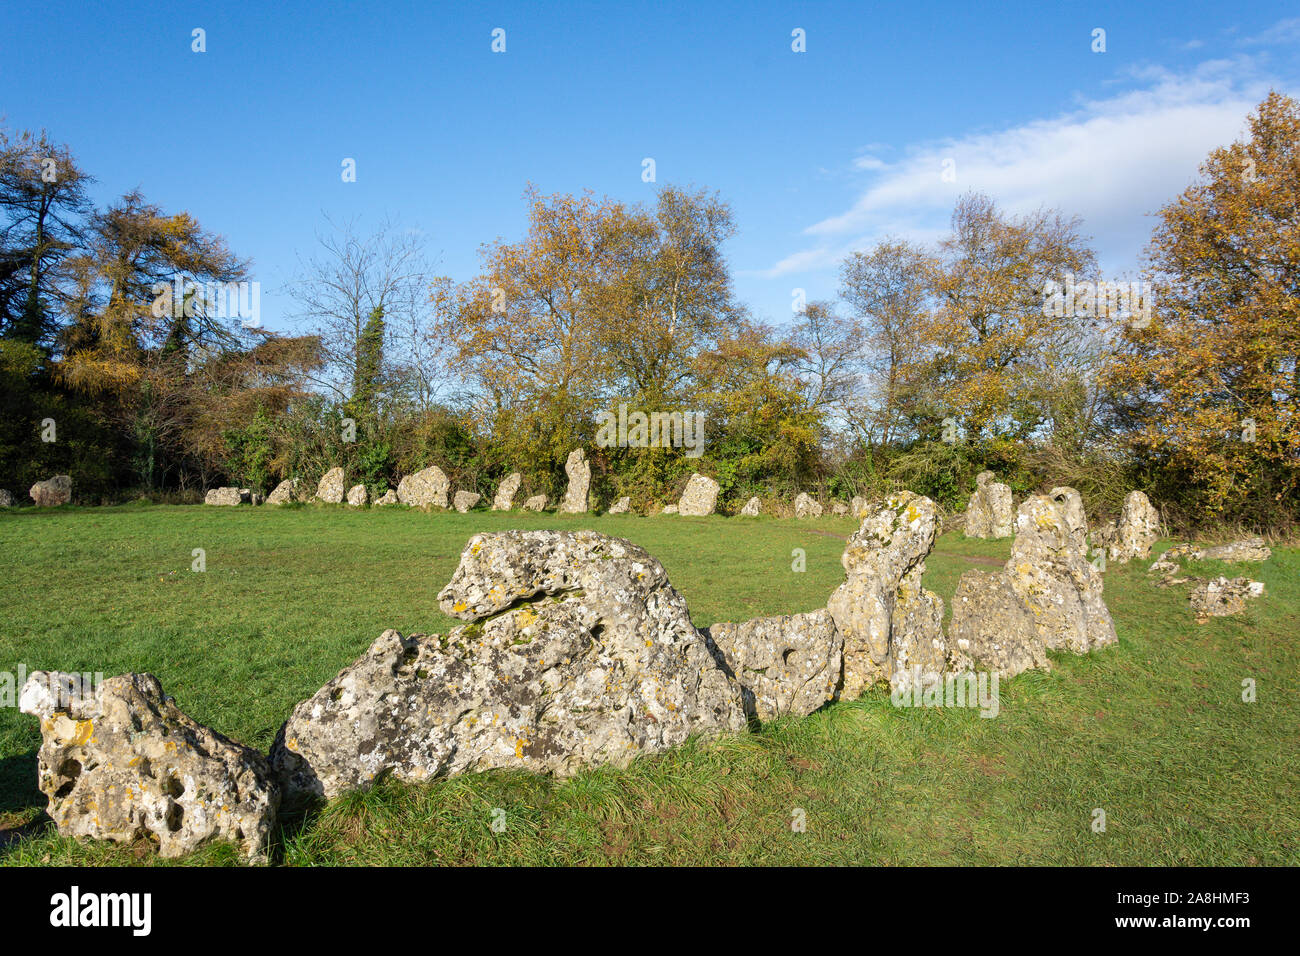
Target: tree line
pixel 997 347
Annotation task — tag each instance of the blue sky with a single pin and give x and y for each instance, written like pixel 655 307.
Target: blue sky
pixel 818 152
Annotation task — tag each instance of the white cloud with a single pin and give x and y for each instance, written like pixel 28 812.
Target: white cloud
pixel 1112 161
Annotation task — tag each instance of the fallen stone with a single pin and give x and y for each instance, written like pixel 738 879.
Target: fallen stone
pixel 331 487
pixel 805 506
pixel 358 496
pixel 52 492
pixel 424 489
pixel 581 653
pixel 226 496
pixel 465 500
pixel 787 665
pixel 579 472
pixel 1222 596
pixel 989 513
pixel 700 497
pixel 120 762
pixel 506 491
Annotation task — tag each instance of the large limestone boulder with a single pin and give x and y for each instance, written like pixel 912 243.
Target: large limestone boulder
pixel 989 513
pixel 332 487
pixel 226 496
pixel 1136 531
pixel 52 491
pixel 120 762
pixel 699 498
pixel 575 496
pixel 580 653
pixel 506 491
pixel 887 620
pixel 535 503
pixel 424 489
pixel 753 508
pixel 787 665
pixel 806 506
pixel 1050 572
pixel 620 507
pixel 992 629
pixel 465 500
pixel 286 491
pixel 358 496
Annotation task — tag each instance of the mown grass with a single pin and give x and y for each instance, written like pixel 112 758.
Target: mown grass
pixel 1153 731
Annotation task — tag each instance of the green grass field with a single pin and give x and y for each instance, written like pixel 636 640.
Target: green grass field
pixel 1153 731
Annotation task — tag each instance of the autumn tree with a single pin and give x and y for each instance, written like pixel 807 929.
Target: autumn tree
pixel 1209 389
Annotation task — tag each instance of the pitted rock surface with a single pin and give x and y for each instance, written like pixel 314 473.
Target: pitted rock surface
pixel 989 513
pixel 1135 532
pixel 992 629
pixel 121 761
pixel 506 491
pixel 52 491
pixel 331 487
pixel 700 497
pixel 358 496
pixel 788 664
pixel 753 508
pixel 465 500
pixel 806 506
pixel 286 491
pixel 575 496
pixel 424 489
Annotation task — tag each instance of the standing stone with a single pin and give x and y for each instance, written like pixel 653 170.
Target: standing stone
pixel 226 496
pixel 535 503
pixel 988 513
pixel 358 496
pixel 52 491
pixel 884 557
pixel 753 508
pixel 121 762
pixel 805 506
pixel 700 497
pixel 389 497
pixel 285 492
pixel 427 488
pixel 579 472
pixel 1050 572
pixel 839 508
pixel 786 665
pixel 580 653
pixel 506 491
pixel 1137 529
pixel 6 499
pixel 992 628
pixel 331 488
pixel 465 500
pixel 621 507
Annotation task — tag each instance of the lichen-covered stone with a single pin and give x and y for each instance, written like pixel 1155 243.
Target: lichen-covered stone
pixel 424 489
pixel 753 508
pixel 621 507
pixel 575 500
pixel 787 665
pixel 226 496
pixel 389 497
pixel 859 506
pixel 506 491
pixel 700 497
pixel 1222 596
pixel 806 506
pixel 1135 532
pixel 1050 572
pixel 52 492
pixel 992 629
pixel 465 500
pixel 285 492
pixel 358 496
pixel 989 513
pixel 581 653
pixel 121 761
pixel 535 503
pixel 331 487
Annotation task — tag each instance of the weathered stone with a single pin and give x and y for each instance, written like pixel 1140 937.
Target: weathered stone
pixel 839 508
pixel 286 491
pixel 226 496
pixel 579 472
pixel 884 558
pixel 1135 533
pixel 389 497
pixel 6 499
pixel 331 487
pixel 988 513
pixel 121 762
pixel 668 510
pixel 859 506
pixel 700 497
pixel 786 665
pixel 1050 572
pixel 465 500
pixel 805 506
pixel 1222 596
pixel 753 508
pixel 992 629
pixel 506 491
pixel 581 653
pixel 358 496
pixel 52 491
pixel 620 507
pixel 535 503
pixel 1248 549
pixel 424 489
